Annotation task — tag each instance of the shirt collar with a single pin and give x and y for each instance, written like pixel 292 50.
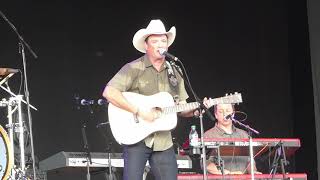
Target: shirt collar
pixel 222 132
pixel 148 63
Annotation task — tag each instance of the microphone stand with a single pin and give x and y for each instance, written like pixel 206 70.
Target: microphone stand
pixel 87 149
pixel 21 45
pixel 86 144
pixel 250 130
pixel 245 126
pixel 201 107
pixel 111 176
pixel 108 149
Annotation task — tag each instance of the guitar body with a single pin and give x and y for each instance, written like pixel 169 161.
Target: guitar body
pixel 122 123
pixel 127 131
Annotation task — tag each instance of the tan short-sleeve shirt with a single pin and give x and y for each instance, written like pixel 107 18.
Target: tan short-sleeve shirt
pixel 141 77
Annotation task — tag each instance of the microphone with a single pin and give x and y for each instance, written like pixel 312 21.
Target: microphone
pixel 229 116
pixel 6 71
pixel 101 102
pixel 163 52
pixel 85 102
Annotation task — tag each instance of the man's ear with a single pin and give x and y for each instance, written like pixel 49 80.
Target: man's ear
pixel 145 45
pixel 215 115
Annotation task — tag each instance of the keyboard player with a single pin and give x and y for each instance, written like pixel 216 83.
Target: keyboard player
pixel 224 128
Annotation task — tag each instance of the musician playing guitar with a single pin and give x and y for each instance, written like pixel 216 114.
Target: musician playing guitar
pixel 148 75
pixel 224 128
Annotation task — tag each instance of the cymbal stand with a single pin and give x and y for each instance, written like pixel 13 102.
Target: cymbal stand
pixel 11 93
pixel 14 104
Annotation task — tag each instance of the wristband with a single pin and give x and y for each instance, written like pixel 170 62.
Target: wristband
pixel 135 116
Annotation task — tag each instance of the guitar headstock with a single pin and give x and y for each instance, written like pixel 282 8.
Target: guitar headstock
pixel 234 98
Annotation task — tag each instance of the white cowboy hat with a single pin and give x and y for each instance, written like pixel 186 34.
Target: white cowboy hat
pixel 154 27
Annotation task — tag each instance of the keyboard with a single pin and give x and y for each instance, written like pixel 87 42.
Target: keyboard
pixel 99 160
pixel 240 146
pixel 293 176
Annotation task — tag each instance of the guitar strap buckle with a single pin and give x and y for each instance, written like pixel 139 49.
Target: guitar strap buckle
pixel 176 99
pixel 171 75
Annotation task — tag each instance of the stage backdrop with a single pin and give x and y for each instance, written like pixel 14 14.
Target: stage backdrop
pixel 226 47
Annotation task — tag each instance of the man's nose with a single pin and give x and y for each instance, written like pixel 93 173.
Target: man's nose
pixel 223 114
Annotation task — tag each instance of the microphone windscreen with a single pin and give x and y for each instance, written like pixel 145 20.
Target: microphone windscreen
pixel 162 51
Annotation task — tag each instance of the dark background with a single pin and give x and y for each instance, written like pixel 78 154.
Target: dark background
pixel 257 48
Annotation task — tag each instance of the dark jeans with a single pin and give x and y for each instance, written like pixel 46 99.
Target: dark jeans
pixel 163 163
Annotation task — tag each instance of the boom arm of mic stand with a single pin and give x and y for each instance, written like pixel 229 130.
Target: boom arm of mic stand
pixel 19 36
pixel 203 155
pixel 245 126
pixel 178 69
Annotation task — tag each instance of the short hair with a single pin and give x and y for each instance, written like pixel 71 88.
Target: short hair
pixel 215 108
pixel 146 40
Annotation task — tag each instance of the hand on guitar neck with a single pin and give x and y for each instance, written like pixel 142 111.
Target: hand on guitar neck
pixel 206 103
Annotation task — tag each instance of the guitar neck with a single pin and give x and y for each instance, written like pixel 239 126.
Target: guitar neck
pixel 180 108
pixel 194 105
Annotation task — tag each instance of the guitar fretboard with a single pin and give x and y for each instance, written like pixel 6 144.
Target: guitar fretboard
pixel 194 105
pixel 180 108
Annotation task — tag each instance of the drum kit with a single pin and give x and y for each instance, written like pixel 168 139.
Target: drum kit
pixel 6 156
pixel 9 168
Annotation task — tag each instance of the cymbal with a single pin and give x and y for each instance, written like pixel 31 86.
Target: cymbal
pixel 6 71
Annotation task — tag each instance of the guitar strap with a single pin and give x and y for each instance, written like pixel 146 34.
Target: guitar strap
pixel 171 76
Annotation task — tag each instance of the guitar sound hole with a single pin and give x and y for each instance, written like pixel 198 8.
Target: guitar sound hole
pixel 157 110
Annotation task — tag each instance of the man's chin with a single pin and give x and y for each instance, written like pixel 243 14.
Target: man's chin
pixel 227 123
pixel 159 57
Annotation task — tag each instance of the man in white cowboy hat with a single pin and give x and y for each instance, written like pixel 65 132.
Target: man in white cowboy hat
pixel 148 75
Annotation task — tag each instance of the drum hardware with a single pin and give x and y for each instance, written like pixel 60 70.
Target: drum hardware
pixel 15 126
pixel 3 103
pixel 12 94
pixel 14 106
pixel 22 175
pixel 22 45
pixel 6 156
